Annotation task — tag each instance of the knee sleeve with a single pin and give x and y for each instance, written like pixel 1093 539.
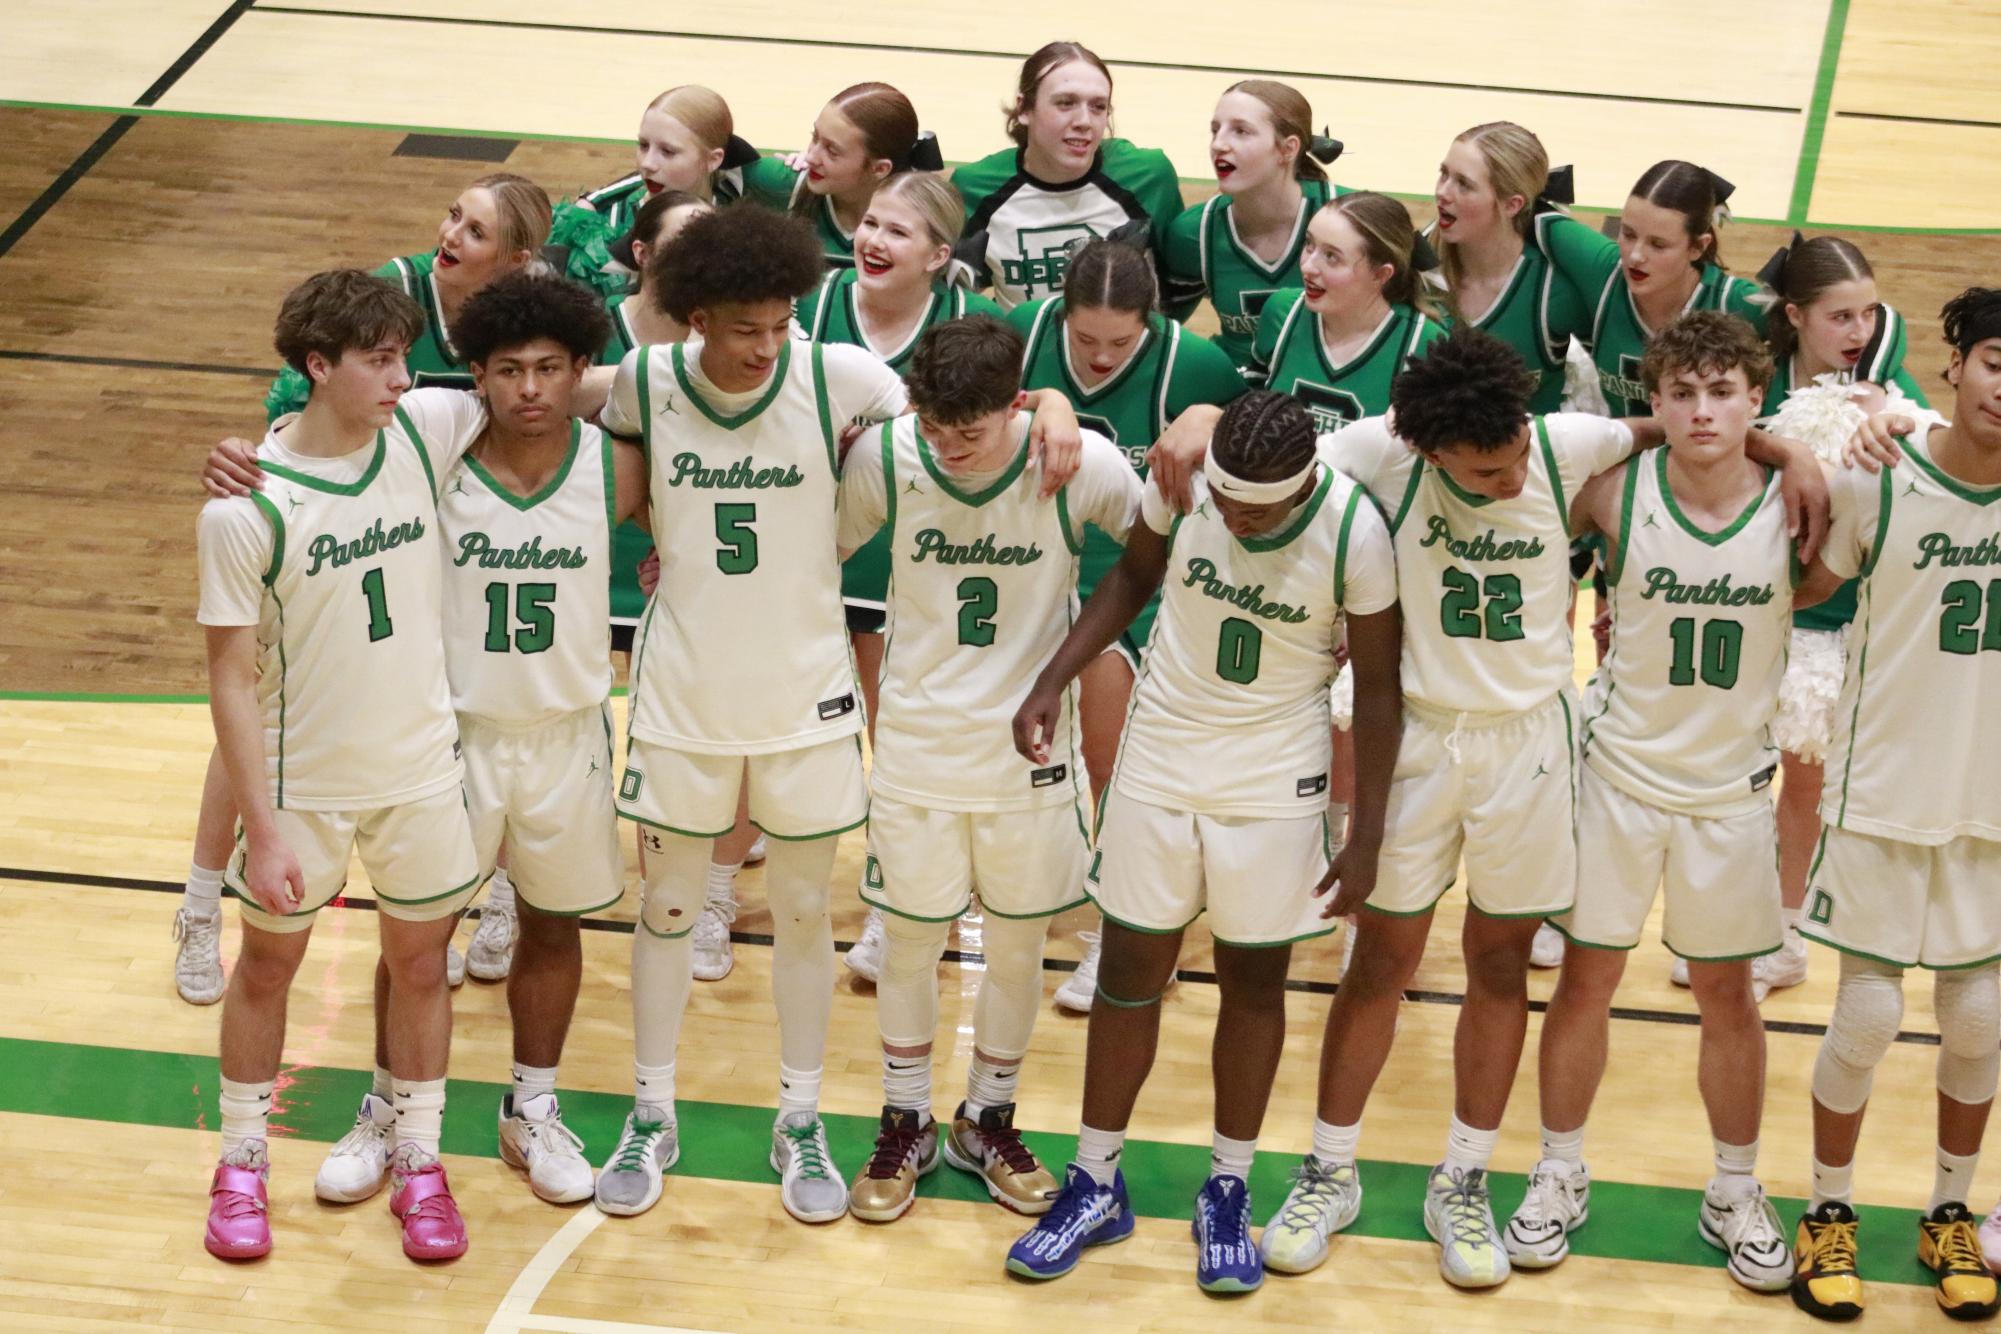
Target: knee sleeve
pixel 1968 1007
pixel 802 953
pixel 1010 994
pixel 1868 1007
pixel 906 990
pixel 677 877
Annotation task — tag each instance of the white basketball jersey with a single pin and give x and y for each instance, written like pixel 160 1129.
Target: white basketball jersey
pixel 1917 736
pixel 527 600
pixel 1486 587
pixel 357 711
pixel 743 649
pixel 982 590
pixel 1680 713
pixel 1230 714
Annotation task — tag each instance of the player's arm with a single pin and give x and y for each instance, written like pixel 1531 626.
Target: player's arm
pixel 1816 586
pixel 271 870
pixel 593 390
pixel 1802 483
pixel 1375 651
pixel 1055 440
pixel 1596 509
pixel 1175 458
pixel 1118 598
pixel 862 503
pixel 632 499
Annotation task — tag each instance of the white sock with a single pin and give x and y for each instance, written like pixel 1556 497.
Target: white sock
pixel 1468 1149
pixel 1565 1146
pixel 1736 1168
pixel 530 1080
pixel 1334 1146
pixel 1953 1181
pixel 246 1112
pixel 203 894
pixel 906 1082
pixel 1831 1183
pixel 989 1084
pixel 799 1090
pixel 1231 1157
pixel 653 1091
pixel 420 1114
pixel 381 1085
pixel 500 890
pixel 722 882
pixel 1098 1153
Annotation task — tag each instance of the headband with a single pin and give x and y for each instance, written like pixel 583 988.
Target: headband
pixel 738 153
pixel 1323 147
pixel 923 155
pixel 1254 493
pixel 1558 190
pixel 1775 267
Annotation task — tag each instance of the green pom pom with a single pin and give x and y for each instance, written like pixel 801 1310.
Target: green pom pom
pixel 586 235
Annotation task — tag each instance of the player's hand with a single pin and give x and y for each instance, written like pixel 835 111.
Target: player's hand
pixel 1035 723
pixel 272 874
pixel 794 161
pixel 1874 446
pixel 232 469
pixel 1601 631
pixel 1803 486
pixel 846 441
pixel 649 572
pixel 1056 443
pixel 1352 878
pixel 1176 457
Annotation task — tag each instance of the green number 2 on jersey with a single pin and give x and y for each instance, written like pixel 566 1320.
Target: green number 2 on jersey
pixel 1963 599
pixel 1459 608
pixel 979 598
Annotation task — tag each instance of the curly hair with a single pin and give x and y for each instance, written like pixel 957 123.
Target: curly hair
pixel 341 311
pixel 1706 342
pixel 1469 388
pixel 520 308
pixel 1263 436
pixel 1971 317
pixel 964 369
pixel 734 255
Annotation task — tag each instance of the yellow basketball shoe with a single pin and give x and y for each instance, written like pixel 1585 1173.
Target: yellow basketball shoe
pixel 1825 1283
pixel 904 1151
pixel 991 1149
pixel 1949 1246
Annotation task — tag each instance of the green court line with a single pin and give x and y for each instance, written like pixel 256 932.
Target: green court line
pixel 731 1142
pixel 1879 229
pixel 1816 112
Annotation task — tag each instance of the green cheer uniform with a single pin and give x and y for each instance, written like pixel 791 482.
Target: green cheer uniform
pixel 586 226
pixel 1031 225
pixel 1169 372
pixel 1538 312
pixel 619 202
pixel 1618 337
pixel 432 359
pixel 770 182
pixel 1206 258
pixel 827 314
pixel 1292 356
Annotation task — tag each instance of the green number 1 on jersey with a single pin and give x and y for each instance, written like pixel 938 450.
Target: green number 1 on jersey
pixel 1963 599
pixel 1722 645
pixel 531 608
pixel 379 624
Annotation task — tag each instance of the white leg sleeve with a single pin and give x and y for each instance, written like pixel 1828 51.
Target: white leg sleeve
pixel 677 868
pixel 802 952
pixel 906 993
pixel 1868 1007
pixel 1968 1006
pixel 1010 995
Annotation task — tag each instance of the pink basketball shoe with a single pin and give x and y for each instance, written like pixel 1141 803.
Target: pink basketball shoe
pixel 432 1226
pixel 239 1218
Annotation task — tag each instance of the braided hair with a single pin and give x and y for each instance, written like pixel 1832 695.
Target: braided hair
pixel 1263 436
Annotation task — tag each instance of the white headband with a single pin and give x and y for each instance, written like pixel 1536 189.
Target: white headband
pixel 1254 493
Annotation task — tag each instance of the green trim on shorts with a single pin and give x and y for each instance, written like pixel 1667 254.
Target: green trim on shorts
pixel 1724 958
pixel 1591 944
pixel 1118 1004
pixel 1516 916
pixel 568 912
pixel 1415 912
pixel 989 908
pixel 1860 954
pixel 911 916
pixel 1276 944
pixel 250 903
pixel 1131 926
pixel 473 883
pixel 1957 967
pixel 684 833
pixel 800 838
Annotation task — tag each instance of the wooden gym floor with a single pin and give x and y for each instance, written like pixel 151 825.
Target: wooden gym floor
pixel 171 167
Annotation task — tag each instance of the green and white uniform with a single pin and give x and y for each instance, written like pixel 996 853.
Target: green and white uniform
pixel 1487 765
pixel 432 360
pixel 743 649
pixel 1168 372
pixel 982 593
pixel 1291 354
pixel 619 202
pixel 337 564
pixel 528 652
pixel 770 182
pixel 1206 258
pixel 1911 848
pixel 1618 337
pixel 1677 736
pixel 1032 225
pixel 828 315
pixel 629 542
pixel 1219 797
pixel 1537 313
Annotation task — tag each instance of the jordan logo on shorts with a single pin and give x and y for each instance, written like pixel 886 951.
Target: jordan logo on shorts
pixel 1823 907
pixel 628 787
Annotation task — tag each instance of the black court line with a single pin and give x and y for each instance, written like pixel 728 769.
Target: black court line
pixel 1919 120
pixel 1301 985
pixel 104 142
pixel 136 364
pixel 828 44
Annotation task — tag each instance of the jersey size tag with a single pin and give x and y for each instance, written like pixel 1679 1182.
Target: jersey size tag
pixel 1763 778
pixel 1049 777
pixel 836 707
pixel 458 750
pixel 1311 787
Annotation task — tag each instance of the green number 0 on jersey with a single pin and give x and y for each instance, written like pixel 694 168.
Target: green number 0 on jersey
pixel 1239 646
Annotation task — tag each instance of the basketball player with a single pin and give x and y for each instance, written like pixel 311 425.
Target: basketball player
pixel 1678 765
pixel 1129 371
pixel 1220 798
pixel 334 720
pixel 983 590
pixel 743 432
pixel 1063 181
pixel 1904 875
pixel 1243 244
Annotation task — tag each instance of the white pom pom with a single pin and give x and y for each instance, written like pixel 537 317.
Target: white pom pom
pixel 1341 697
pixel 1581 391
pixel 1804 724
pixel 1821 414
